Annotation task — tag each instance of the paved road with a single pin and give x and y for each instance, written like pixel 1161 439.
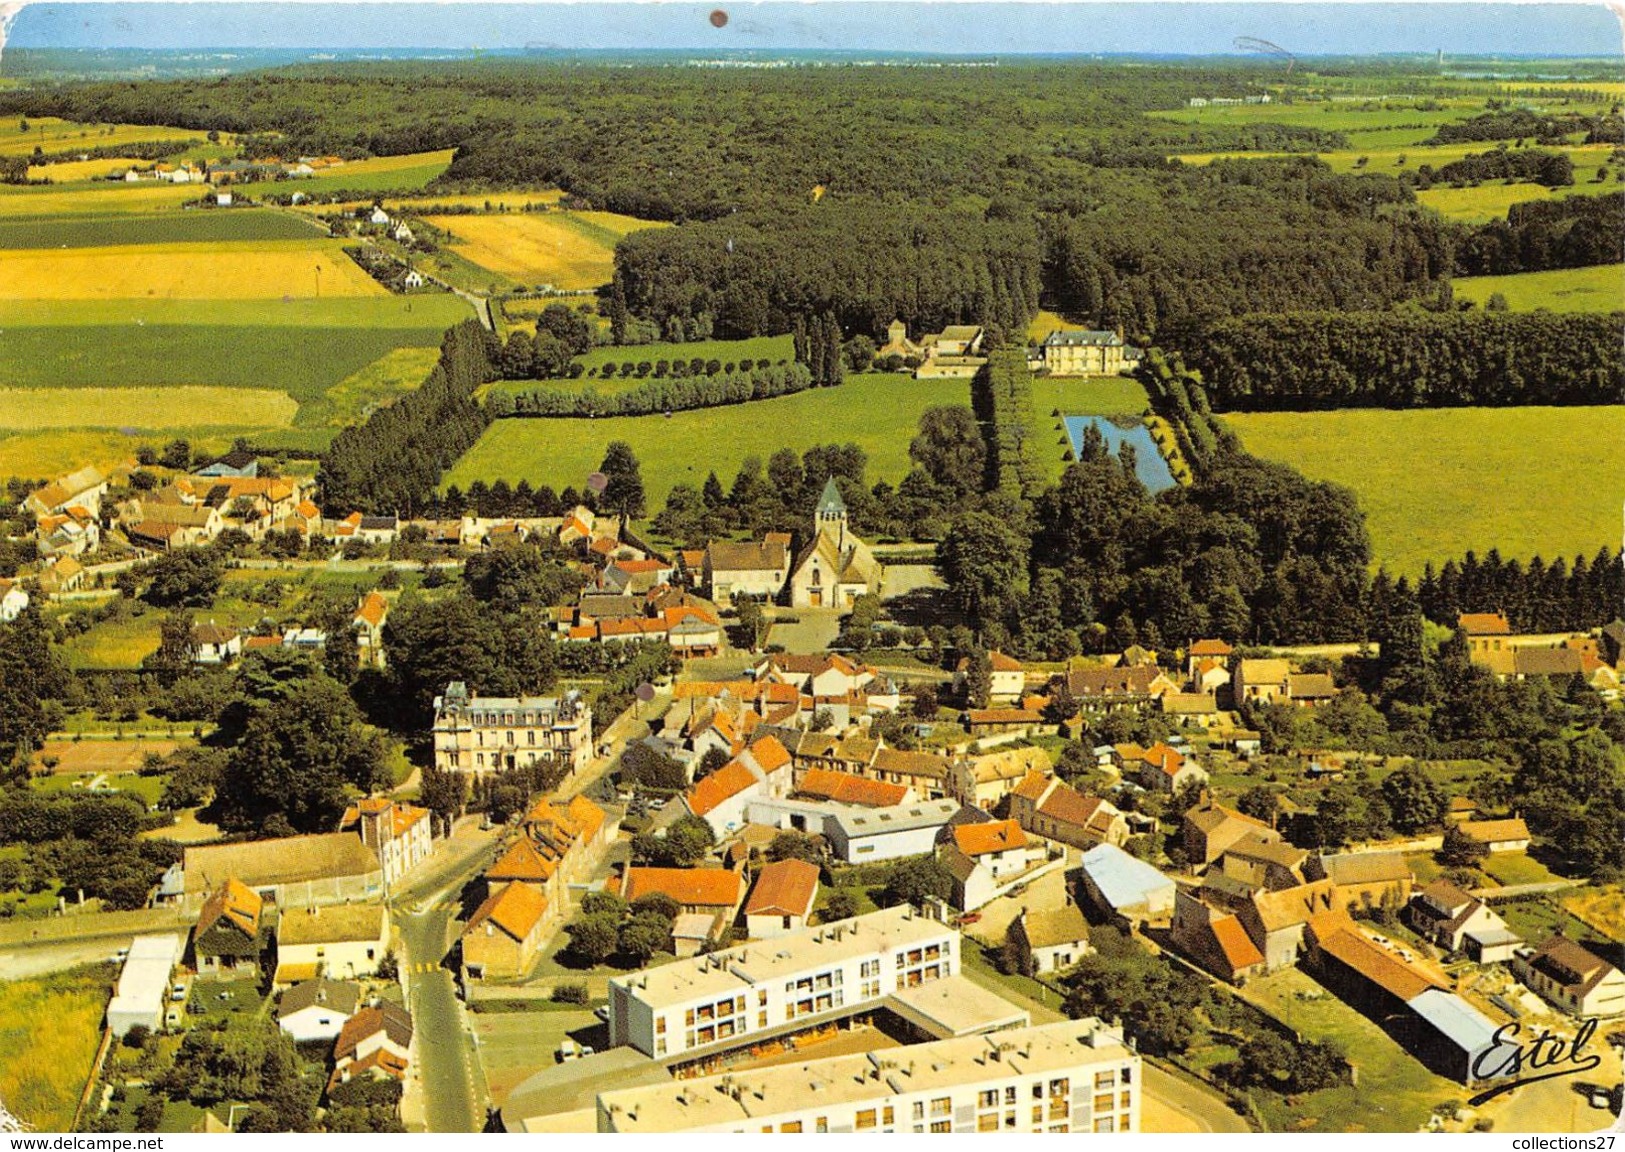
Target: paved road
pixel 446 1074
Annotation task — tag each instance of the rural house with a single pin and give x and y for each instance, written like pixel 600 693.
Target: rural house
pixel 375 1043
pixel 227 940
pixel 506 931
pixel 782 900
pixel 1050 807
pixel 340 940
pixel 317 1009
pixel 1053 939
pixel 1215 939
pixel 746 569
pixel 1574 978
pixel 1122 885
pixel 1446 916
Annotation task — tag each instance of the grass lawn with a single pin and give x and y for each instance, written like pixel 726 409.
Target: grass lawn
pixel 381 174
pixel 1424 866
pixel 146 788
pixel 1598 289
pixel 1435 483
pixel 49 1030
pixel 1395 1092
pixel 1510 868
pixel 41 455
pixel 167 228
pixel 114 643
pixel 877 412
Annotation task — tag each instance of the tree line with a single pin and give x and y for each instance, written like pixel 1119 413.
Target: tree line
pixel 1505 123
pixel 1408 360
pixel 1532 165
pixel 393 461
pixel 1535 596
pixel 673 394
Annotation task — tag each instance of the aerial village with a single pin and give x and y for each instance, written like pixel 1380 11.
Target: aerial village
pixel 793 888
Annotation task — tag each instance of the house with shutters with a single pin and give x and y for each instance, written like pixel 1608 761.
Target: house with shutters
pixel 1455 921
pixel 375 1043
pixel 983 856
pixel 1159 768
pixel 345 941
pixel 371 614
pixel 1053 938
pixel 749 569
pixel 401 834
pixel 229 935
pixel 1087 352
pixel 1261 681
pixel 1048 806
pixel 317 1009
pixel 505 933
pixel 1574 978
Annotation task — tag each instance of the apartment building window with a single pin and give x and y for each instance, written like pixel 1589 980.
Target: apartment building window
pixel 660 1026
pixel 531 736
pixel 1010 1094
pixel 869 968
pixel 761 1019
pixel 1060 1087
pixel 1105 1080
pixel 942 1126
pixel 660 1046
pixel 1105 1124
pixel 871 989
pixel 821 1124
pixel 790 1126
pixel 761 998
pixel 919 1109
pixel 989 1098
pixel 888 1116
pixel 942 1106
pixel 1128 1075
pixel 1125 1100
pixel 866 1119
pixel 1103 1102
pixel 988 1123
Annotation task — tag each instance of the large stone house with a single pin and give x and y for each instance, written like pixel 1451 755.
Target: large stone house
pixel 836 567
pixel 751 569
pixel 1052 808
pixel 482 734
pixel 1087 352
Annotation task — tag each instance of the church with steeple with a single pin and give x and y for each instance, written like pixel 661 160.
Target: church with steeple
pixel 835 567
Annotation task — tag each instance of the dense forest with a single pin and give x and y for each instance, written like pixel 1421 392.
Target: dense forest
pixel 1540 235
pixel 1309 360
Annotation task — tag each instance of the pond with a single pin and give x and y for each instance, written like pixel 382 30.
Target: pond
pixel 1149 465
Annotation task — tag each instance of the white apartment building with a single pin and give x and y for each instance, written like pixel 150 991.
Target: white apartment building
pixel 754 988
pixel 481 734
pixel 1073 1076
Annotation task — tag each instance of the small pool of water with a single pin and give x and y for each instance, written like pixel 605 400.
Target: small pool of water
pixel 1149 465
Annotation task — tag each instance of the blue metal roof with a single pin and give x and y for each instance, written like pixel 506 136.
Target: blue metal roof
pixel 1122 879
pixel 1459 1022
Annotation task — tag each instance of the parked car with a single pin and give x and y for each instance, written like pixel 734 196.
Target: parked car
pixel 568 1051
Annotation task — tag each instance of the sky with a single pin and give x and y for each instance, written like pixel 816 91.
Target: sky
pixel 972 28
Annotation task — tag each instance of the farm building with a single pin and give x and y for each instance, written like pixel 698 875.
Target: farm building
pixel 1055 939
pixel 142 990
pixel 782 900
pixel 1121 885
pixel 1575 979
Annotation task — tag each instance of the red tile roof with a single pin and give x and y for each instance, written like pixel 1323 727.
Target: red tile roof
pixel 847 788
pixel 1239 950
pixel 516 909
pixel 1484 624
pixel 709 887
pixel 723 784
pixel 1211 648
pixel 784 888
pixel 522 862
pixel 983 839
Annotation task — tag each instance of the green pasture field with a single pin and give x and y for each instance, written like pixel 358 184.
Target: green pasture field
pixel 1491 201
pixel 352 178
pixel 1370 124
pixel 878 412
pixel 303 364
pixel 348 401
pixel 1435 483
pixel 199 226
pixel 1598 289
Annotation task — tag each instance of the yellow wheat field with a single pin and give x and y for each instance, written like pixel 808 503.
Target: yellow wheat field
pixel 53 135
pixel 251 270
pixel 178 406
pixel 102 200
pixel 564 249
pixel 71 171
